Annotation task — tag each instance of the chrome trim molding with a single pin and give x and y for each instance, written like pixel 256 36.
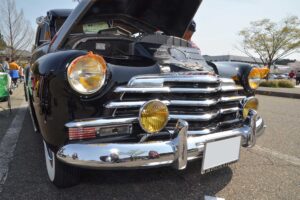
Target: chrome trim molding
pixel 204 103
pixel 158 80
pixel 203 117
pixel 100 122
pixel 175 152
pixel 129 104
pixel 227 80
pixel 229 110
pixel 127 89
pixel 231 88
pixel 232 98
pixel 176 90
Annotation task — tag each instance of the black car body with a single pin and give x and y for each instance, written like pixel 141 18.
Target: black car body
pixel 143 62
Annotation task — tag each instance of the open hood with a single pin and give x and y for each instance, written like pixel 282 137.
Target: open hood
pixel 170 16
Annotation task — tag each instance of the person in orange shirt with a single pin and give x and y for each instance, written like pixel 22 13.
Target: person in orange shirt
pixel 14 72
pixel 13 66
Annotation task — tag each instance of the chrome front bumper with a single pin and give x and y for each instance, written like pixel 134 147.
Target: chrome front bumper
pixel 176 152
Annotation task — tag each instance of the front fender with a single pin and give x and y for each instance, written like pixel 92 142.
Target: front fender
pixel 49 95
pixel 56 103
pixel 237 71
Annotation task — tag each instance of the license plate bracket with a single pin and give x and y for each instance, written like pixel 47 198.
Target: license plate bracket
pixel 220 153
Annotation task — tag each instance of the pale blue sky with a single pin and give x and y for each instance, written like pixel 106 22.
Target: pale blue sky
pixel 218 21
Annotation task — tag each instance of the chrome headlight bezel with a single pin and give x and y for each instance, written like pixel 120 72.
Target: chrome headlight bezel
pixel 74 79
pixel 245 102
pixel 254 78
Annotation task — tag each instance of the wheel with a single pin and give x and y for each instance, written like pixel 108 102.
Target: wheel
pixel 32 115
pixel 25 92
pixel 60 174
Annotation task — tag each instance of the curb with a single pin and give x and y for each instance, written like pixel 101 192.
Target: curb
pixel 279 94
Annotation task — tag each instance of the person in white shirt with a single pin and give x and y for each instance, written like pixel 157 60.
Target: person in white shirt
pixel 5 65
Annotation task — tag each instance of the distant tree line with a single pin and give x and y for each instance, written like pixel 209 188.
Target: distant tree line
pixel 270 41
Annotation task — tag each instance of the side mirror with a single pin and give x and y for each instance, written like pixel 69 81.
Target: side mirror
pixel 33 47
pixel 40 20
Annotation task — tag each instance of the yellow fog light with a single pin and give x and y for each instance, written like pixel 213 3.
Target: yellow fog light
pixel 153 116
pixel 86 74
pixel 250 103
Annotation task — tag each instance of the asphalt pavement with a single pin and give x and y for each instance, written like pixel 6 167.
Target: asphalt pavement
pixel 271 170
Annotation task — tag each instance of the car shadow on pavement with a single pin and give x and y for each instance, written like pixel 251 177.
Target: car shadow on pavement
pixel 5 112
pixel 159 183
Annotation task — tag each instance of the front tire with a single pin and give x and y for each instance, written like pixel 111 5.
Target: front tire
pixel 60 174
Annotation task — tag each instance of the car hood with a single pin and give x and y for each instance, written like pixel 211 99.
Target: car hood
pixel 170 16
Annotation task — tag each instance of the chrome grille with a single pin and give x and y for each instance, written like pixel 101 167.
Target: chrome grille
pixel 207 102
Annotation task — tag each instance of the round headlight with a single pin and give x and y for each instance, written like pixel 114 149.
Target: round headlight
pixel 254 78
pixel 153 116
pixel 249 104
pixel 86 74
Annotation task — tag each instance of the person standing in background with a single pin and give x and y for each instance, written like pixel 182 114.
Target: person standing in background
pixel 190 31
pixel 14 72
pixel 5 65
pixel 13 65
pixel 292 75
pixel 189 34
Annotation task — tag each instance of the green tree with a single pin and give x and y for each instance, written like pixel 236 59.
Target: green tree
pixel 17 31
pixel 270 41
pixel 2 42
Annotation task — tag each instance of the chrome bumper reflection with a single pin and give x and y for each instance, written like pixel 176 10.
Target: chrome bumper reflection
pixel 176 152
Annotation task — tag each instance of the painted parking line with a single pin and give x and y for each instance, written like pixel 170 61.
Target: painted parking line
pixel 9 141
pixel 212 198
pixel 291 159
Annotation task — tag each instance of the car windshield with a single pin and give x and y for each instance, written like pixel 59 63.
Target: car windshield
pixel 107 25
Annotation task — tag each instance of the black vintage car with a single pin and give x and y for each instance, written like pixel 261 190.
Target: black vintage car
pixel 113 86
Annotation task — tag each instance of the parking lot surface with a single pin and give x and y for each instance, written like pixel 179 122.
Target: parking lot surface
pixel 271 170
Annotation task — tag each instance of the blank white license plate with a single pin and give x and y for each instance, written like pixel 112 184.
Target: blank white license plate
pixel 221 153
